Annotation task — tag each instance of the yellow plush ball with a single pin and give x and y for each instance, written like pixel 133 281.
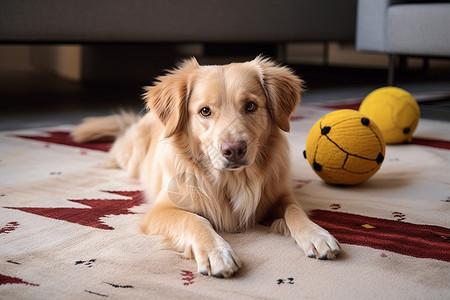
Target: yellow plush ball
pixel 395 111
pixel 345 147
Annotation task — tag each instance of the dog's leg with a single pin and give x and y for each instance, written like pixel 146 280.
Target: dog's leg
pixel 313 239
pixel 190 233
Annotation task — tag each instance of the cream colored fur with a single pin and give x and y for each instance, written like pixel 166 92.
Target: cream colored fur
pixel 177 151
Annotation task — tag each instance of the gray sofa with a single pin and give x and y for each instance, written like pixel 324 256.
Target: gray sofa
pixel 135 40
pixel 403 27
pixel 151 21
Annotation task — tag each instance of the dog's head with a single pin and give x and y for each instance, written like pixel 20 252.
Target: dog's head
pixel 227 112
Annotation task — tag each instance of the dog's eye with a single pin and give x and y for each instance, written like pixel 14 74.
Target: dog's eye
pixel 205 111
pixel 250 107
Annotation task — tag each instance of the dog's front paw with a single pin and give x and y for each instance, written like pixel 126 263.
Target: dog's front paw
pixel 218 261
pixel 317 242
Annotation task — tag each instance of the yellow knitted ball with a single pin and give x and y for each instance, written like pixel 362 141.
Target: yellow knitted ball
pixel 345 147
pixel 395 111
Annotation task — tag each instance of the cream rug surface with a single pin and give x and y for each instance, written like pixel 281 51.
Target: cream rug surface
pixel 69 228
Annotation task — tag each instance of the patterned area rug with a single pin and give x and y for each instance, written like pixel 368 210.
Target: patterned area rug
pixel 69 228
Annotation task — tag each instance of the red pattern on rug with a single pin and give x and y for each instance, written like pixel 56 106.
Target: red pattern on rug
pixel 4 279
pixel 91 217
pixel 431 143
pixel 187 277
pixel 422 241
pixel 344 105
pixel 63 138
pixel 11 226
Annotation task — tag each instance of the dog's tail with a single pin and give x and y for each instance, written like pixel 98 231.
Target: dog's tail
pixel 103 128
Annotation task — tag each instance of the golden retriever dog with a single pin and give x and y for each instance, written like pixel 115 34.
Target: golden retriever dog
pixel 212 156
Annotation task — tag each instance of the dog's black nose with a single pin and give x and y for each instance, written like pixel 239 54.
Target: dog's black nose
pixel 234 151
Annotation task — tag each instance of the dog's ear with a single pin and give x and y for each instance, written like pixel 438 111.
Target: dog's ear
pixel 168 97
pixel 283 89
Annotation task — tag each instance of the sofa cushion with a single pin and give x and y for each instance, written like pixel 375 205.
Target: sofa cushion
pixel 418 29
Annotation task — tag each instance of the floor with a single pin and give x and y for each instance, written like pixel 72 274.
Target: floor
pixel 31 99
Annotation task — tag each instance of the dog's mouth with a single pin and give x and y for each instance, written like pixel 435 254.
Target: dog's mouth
pixel 235 166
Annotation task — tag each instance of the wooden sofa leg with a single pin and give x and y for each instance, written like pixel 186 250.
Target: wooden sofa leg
pixel 391 69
